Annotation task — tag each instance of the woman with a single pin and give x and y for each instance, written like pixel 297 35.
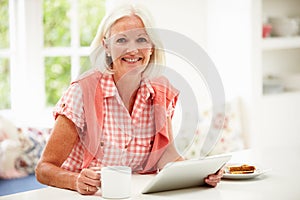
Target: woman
pixel 120 115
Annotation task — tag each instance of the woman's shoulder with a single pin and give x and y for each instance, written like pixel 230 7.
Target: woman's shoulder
pixel 163 87
pixel 89 76
pixel 161 82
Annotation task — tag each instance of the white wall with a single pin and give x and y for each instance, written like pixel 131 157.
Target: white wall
pixel 186 17
pixel 225 30
pixel 230 44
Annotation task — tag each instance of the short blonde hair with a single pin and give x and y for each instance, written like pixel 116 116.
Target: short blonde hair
pixel 157 59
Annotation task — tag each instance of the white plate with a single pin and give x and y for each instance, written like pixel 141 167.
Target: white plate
pixel 256 173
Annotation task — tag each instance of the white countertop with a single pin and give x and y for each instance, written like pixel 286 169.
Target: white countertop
pixel 279 183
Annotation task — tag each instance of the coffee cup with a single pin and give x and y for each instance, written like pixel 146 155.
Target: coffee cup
pixel 116 182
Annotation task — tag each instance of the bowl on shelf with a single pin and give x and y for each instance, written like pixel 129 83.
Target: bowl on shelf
pixel 272 85
pixel 284 26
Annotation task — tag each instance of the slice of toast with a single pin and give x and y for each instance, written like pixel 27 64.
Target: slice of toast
pixel 242 169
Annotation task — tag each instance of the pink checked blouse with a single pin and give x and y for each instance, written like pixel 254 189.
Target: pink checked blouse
pixel 126 139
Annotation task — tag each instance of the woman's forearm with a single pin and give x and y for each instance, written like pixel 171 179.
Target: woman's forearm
pixel 60 144
pixel 49 174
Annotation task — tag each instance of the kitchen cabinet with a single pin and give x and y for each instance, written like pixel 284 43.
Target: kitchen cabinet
pixel 280 60
pixel 279 64
pixel 245 60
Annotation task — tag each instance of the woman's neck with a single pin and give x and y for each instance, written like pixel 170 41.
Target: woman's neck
pixel 127 86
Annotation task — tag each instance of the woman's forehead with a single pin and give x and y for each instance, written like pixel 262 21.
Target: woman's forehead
pixel 128 25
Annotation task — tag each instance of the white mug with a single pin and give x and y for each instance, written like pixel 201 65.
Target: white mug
pixel 116 182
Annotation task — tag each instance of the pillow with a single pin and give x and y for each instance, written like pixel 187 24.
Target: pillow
pixel 33 141
pixel 20 149
pixel 10 149
pixel 230 138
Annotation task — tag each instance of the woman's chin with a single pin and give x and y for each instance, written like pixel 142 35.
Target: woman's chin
pixel 136 65
pixel 135 69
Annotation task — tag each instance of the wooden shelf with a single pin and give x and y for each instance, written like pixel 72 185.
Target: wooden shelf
pixel 285 94
pixel 281 43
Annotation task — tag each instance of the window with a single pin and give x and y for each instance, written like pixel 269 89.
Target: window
pixel 43 46
pixel 70 36
pixel 4 56
pixel 4 83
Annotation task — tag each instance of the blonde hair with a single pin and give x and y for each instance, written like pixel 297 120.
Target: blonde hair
pixel 157 59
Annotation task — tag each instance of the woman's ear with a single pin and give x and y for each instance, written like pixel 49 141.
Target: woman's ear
pixel 151 51
pixel 106 47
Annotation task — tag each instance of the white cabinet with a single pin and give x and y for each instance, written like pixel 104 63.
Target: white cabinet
pixel 280 55
pixel 279 70
pixel 244 58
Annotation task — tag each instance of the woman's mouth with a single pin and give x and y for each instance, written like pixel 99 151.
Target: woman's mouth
pixel 131 60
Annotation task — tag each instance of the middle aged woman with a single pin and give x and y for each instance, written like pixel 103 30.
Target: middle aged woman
pixel 118 114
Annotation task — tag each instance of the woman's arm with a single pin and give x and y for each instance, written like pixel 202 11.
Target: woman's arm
pixel 48 171
pixel 171 154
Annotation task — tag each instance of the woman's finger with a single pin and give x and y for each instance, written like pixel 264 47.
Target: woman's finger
pixel 90 177
pixel 90 173
pixel 209 182
pixel 221 172
pixel 214 179
pixel 88 182
pixel 83 188
pixel 212 182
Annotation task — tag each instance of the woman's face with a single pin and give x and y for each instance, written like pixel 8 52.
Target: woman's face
pixel 129 45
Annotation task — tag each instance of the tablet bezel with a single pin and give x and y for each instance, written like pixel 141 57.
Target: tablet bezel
pixel 185 174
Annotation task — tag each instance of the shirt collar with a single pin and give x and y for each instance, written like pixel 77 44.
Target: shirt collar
pixel 147 90
pixel 109 88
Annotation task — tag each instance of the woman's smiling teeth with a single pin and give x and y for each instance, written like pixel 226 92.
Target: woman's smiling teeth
pixel 131 60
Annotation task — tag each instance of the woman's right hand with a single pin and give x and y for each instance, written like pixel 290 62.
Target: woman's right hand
pixel 88 181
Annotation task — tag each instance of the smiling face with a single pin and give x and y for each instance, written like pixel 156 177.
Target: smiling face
pixel 129 46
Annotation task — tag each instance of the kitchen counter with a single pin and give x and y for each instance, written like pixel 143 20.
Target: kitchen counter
pixel 281 182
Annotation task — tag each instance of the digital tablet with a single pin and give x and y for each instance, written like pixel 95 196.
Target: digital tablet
pixel 185 174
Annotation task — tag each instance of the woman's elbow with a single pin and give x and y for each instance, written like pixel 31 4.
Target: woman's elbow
pixel 40 176
pixel 38 171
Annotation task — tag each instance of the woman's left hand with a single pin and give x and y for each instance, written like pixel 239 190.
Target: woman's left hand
pixel 214 179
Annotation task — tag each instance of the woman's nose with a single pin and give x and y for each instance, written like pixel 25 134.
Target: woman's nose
pixel 132 48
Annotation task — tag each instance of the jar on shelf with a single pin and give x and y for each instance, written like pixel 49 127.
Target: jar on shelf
pixel 266 30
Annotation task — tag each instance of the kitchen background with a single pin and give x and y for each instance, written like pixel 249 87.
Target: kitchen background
pixel 255 45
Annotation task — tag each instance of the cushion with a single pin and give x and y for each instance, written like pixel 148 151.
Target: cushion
pixel 20 149
pixel 33 142
pixel 230 136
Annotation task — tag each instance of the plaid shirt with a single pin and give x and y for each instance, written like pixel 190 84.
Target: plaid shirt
pixel 126 139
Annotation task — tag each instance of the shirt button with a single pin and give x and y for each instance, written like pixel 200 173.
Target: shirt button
pixel 126 146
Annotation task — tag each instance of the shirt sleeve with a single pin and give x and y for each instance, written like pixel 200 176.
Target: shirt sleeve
pixel 71 105
pixel 171 108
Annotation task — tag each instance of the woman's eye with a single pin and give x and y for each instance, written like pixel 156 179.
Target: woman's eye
pixel 142 40
pixel 121 40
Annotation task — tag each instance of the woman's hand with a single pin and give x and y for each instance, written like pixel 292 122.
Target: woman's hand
pixel 88 182
pixel 214 179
